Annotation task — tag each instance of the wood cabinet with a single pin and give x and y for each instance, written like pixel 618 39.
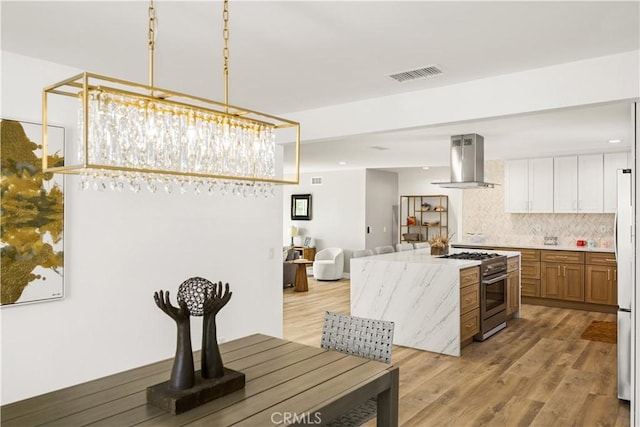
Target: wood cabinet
pixel 529 272
pixel 469 303
pixel 562 275
pixel 423 217
pixel 306 253
pixel 578 184
pixel 601 282
pixel 529 185
pixel 513 286
pixel 612 162
pixel 571 279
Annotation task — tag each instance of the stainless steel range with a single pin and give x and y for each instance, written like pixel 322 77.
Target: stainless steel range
pixel 493 291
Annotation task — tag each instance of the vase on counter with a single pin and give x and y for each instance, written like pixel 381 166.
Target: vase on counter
pixel 439 249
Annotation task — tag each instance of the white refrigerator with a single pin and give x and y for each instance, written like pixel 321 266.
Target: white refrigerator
pixel 624 256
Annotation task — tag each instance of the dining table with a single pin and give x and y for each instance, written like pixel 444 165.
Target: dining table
pixel 287 383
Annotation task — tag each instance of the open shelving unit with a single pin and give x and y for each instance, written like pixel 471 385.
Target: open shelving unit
pixel 423 217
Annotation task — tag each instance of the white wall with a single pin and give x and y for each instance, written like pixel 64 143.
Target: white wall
pixel 419 182
pixel 381 197
pixel 119 249
pixel 338 210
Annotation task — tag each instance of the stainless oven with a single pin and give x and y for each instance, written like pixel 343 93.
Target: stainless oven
pixel 493 305
pixel 493 291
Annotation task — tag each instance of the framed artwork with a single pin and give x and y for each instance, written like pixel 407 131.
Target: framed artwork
pixel 31 238
pixel 307 242
pixel 301 207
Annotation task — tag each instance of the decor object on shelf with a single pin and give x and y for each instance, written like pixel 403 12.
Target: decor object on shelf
pixel 426 216
pixel 187 389
pixel 328 264
pixel 32 215
pixel 293 232
pixel 411 237
pixel 301 207
pixel 134 134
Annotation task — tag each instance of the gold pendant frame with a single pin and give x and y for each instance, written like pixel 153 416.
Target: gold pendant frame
pixel 80 86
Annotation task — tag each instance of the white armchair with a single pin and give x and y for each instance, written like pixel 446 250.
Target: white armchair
pixel 328 264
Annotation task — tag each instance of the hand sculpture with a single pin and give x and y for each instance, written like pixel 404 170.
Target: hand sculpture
pixel 182 374
pixel 211 363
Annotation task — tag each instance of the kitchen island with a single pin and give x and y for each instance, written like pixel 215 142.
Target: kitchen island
pixel 420 293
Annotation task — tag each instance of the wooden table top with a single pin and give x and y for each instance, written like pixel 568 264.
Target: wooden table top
pixel 281 377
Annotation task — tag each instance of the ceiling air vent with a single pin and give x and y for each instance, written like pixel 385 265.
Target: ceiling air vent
pixel 420 73
pixel 316 180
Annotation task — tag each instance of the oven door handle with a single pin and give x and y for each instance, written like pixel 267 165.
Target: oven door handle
pixel 492 281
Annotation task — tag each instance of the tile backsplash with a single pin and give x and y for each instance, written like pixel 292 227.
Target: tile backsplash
pixel 483 212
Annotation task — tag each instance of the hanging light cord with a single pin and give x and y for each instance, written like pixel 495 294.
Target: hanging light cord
pixel 225 50
pixel 152 41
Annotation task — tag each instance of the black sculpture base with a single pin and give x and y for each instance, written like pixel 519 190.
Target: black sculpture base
pixel 204 390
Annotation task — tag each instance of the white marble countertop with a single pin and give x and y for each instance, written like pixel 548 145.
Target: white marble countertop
pixel 424 256
pixel 489 245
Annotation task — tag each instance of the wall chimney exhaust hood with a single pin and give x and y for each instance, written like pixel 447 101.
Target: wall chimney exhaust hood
pixel 467 163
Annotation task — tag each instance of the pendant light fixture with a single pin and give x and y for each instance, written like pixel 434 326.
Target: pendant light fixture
pixel 134 135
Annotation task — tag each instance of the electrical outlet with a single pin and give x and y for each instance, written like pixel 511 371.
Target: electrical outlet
pixel 603 228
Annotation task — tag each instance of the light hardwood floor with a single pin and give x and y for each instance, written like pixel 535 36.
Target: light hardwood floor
pixel 536 372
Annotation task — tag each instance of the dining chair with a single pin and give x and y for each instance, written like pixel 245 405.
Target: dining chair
pixel 362 253
pixel 358 336
pixel 384 250
pixel 421 245
pixel 401 247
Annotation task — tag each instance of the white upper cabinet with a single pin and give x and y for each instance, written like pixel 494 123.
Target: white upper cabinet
pixel 529 186
pixel 590 184
pixel 612 162
pixel 578 184
pixel 541 185
pixel 565 184
pixel 516 185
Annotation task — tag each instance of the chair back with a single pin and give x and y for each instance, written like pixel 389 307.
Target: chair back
pixel 369 338
pixel 401 247
pixel 362 253
pixel 421 245
pixel 328 254
pixel 388 249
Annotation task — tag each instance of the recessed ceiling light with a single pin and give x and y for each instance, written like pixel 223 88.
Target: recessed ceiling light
pixel 615 141
pixel 379 147
pixel 425 167
pixel 342 163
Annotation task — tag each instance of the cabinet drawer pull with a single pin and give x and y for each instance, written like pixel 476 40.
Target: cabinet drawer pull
pixel 558 270
pixel 610 260
pixel 564 271
pixel 467 299
pixel 608 274
pixel 469 325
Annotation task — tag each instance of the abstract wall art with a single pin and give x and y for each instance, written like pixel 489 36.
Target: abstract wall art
pixel 32 214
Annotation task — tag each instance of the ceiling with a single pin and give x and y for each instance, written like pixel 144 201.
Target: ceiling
pixel 289 56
